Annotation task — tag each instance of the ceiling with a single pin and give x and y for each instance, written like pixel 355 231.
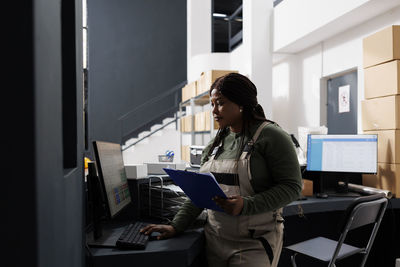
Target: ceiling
pixel 226 6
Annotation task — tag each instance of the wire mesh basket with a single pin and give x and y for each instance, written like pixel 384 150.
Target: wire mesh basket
pixel 165 158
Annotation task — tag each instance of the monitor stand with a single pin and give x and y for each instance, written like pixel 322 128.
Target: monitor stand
pixel 110 234
pixel 343 194
pixel 328 183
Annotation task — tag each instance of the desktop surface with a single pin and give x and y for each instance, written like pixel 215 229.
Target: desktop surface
pixel 188 249
pixel 181 250
pixel 331 203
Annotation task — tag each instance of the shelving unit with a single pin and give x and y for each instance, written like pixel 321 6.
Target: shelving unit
pixel 195 107
pixel 198 126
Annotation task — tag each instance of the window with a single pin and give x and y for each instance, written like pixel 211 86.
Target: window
pixel 227 25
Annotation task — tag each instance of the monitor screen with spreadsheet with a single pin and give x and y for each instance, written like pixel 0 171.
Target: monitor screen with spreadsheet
pixel 342 153
pixel 111 171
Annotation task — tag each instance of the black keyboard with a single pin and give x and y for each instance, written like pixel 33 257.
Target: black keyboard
pixel 131 238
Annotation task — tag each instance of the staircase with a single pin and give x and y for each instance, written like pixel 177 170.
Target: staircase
pixel 149 144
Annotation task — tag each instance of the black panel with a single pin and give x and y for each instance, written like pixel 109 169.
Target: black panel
pixel 68 84
pixel 18 198
pixel 137 51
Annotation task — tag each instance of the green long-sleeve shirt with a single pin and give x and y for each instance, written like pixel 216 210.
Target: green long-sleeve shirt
pixel 276 177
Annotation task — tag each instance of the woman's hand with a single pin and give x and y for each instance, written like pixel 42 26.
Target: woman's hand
pixel 232 205
pixel 166 231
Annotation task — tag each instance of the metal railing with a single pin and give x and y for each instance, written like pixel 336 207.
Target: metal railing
pixel 149 112
pixel 151 133
pixel 238 37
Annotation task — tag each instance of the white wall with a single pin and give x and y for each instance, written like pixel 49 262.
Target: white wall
pixel 198 33
pixel 297 101
pixel 252 58
pixel 257 19
pixel 299 24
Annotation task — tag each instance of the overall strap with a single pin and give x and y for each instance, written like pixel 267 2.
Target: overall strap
pixel 216 150
pixel 249 146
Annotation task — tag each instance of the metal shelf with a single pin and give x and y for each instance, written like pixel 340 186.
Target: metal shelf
pixel 202 100
pixel 197 132
pixel 199 100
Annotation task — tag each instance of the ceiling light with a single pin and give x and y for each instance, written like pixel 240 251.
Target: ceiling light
pixel 219 15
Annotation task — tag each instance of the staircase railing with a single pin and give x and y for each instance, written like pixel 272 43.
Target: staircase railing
pixel 150 133
pixel 150 112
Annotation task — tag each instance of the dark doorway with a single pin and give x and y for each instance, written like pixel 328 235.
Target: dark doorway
pixel 342 100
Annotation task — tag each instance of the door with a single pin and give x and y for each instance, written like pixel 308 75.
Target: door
pixel 59 133
pixel 42 186
pixel 342 104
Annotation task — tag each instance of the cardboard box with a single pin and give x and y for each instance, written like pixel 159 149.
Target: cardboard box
pixel 136 171
pixel 381 113
pixel 382 80
pixel 182 120
pixel 207 122
pixel 189 123
pixel 185 153
pixel 189 91
pixel 207 78
pixel 307 190
pixel 186 123
pixel 210 121
pixel 382 46
pixel 388 145
pixel 387 178
pixel 200 122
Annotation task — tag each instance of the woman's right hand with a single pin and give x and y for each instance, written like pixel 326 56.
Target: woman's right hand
pixel 166 231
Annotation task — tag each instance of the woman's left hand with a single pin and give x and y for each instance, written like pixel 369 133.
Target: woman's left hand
pixel 232 205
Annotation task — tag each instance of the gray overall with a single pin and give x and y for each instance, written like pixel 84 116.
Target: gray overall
pixel 254 240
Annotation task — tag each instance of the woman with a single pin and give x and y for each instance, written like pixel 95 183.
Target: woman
pixel 255 163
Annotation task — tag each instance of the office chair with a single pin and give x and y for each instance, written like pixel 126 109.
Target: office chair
pixel 361 211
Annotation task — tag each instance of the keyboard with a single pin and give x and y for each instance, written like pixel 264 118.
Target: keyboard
pixel 131 238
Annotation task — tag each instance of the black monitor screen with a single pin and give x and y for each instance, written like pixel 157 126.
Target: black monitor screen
pixel 111 171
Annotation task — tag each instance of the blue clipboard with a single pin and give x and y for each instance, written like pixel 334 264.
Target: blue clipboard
pixel 199 187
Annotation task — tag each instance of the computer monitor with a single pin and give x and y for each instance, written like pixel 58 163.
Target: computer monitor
pixel 340 157
pixel 112 176
pixel 342 153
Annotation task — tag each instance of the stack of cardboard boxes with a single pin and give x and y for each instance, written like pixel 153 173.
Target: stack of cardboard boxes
pixel 207 78
pixel 186 123
pixel 189 91
pixel 381 107
pixel 200 121
pixel 203 121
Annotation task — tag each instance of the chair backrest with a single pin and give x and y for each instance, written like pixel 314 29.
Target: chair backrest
pixel 362 211
pixel 365 210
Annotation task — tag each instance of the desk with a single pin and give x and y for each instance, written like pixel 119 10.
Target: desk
pixel 180 251
pixel 188 249
pixel 316 205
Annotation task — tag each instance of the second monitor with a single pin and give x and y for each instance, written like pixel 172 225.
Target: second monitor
pixel 340 157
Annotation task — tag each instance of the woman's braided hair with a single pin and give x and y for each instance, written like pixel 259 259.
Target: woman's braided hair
pixel 240 90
